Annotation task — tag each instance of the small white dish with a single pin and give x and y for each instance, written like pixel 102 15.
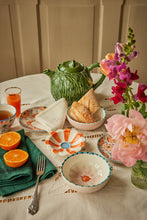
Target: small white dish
pixel 86 172
pixel 65 141
pixel 88 126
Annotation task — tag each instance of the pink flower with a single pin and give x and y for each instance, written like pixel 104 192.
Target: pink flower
pixel 132 55
pixel 140 93
pixel 119 51
pixel 117 98
pixel 105 64
pixel 118 91
pixel 130 134
pixel 127 76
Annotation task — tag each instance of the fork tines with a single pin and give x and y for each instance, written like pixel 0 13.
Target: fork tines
pixel 41 163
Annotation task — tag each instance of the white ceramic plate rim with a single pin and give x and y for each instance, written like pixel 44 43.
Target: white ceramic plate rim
pixel 27 127
pixel 116 161
pixel 91 153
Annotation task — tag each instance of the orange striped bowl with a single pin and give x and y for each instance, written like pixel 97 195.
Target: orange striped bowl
pixel 65 141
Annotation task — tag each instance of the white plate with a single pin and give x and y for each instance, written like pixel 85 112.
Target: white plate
pixel 105 144
pixel 27 118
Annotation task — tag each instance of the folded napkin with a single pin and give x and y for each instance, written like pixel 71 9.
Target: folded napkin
pixel 53 117
pixel 16 179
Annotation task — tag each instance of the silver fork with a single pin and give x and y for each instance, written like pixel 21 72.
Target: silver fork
pixel 34 206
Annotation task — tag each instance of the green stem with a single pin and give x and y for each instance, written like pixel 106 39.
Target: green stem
pixel 128 98
pixel 132 96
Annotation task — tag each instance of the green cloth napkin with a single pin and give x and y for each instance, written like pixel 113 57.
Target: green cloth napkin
pixel 16 179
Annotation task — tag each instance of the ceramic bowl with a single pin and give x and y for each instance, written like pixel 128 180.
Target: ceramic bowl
pixel 86 172
pixel 88 126
pixel 5 124
pixel 65 141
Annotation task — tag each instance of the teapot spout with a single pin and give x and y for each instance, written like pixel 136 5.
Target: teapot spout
pixel 48 72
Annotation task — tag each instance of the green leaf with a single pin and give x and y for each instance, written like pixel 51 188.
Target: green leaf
pixel 122 112
pixel 144 114
pixel 142 109
pixel 136 104
pixel 124 107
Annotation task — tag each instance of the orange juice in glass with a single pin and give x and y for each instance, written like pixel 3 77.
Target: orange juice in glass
pixel 14 98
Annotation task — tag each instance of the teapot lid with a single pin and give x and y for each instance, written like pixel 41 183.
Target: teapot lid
pixel 71 66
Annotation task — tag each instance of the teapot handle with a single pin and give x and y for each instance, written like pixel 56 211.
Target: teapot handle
pixel 99 82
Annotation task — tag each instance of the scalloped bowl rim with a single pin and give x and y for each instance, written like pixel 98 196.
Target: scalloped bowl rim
pixel 90 153
pixel 7 105
pixel 74 132
pixel 82 123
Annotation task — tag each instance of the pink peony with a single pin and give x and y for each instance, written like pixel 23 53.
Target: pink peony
pixel 130 134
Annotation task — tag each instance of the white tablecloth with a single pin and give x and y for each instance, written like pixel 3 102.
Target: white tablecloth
pixel 119 199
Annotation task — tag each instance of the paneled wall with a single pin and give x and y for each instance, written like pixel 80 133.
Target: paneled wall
pixel 40 34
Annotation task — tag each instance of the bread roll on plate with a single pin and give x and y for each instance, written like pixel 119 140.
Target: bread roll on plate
pixel 89 100
pixel 80 113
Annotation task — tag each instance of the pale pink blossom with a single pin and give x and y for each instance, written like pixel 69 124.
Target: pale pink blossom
pixel 130 134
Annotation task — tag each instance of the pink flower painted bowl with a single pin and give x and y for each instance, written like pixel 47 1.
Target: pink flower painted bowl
pixel 86 172
pixel 65 141
pixel 6 123
pixel 88 126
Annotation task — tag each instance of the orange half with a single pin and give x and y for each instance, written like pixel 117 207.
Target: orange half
pixel 10 140
pixel 16 158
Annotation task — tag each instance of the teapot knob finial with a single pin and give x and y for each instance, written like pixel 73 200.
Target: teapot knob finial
pixel 72 64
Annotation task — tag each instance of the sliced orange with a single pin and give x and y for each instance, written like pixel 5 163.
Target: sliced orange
pixel 10 140
pixel 16 158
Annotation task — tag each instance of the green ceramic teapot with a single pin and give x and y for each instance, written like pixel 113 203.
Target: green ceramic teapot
pixel 72 80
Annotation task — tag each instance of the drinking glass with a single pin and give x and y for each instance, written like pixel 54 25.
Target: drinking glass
pixel 14 98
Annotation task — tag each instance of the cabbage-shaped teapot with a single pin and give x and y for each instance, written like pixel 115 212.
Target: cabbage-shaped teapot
pixel 72 80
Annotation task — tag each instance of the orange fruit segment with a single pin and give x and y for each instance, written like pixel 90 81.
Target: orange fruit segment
pixel 16 158
pixel 10 140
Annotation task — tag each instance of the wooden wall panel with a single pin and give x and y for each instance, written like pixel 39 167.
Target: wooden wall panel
pixel 80 30
pixel 7 56
pixel 135 16
pixel 67 33
pixel 28 36
pixel 40 34
pixel 106 27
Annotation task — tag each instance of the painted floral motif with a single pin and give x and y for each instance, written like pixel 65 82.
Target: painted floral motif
pixel 6 124
pixel 65 141
pixel 105 145
pixel 27 118
pixel 108 147
pixel 25 114
pixel 109 139
pixel 101 141
pixel 85 176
